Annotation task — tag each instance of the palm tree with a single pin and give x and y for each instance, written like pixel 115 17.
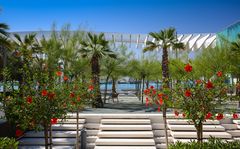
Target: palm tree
pixel 5 46
pixel 165 39
pixel 96 47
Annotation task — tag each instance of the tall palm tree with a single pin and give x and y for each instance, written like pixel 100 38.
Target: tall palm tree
pixel 96 47
pixel 165 39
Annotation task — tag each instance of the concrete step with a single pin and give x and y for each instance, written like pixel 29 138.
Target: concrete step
pixel 159 140
pixel 58 134
pixel 192 128
pixel 193 135
pixel 157 126
pixel 160 133
pixel 125 147
pixel 126 121
pixel 188 121
pixel 161 146
pixel 43 147
pixel 125 127
pixel 230 126
pixel 41 141
pixel 234 133
pixel 236 122
pixel 92 126
pixel 71 121
pixel 125 134
pixel 138 142
pixel 66 126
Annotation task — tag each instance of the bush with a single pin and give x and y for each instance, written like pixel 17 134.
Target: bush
pixel 8 143
pixel 212 143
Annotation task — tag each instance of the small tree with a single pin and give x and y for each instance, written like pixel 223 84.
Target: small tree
pixel 200 100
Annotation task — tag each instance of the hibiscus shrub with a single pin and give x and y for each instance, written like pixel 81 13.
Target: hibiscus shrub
pixel 200 99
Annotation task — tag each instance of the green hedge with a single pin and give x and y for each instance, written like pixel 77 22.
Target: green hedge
pixel 212 143
pixel 8 143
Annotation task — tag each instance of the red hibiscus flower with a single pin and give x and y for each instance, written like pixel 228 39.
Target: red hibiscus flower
pixel 235 115
pixel 54 121
pixel 209 85
pixel 188 68
pixel 219 73
pixel 198 81
pixel 146 91
pixel 51 95
pixel 154 92
pixel 147 101
pixel 91 87
pixel 188 93
pixel 29 99
pixel 44 92
pixel 78 98
pixel 152 87
pixel 208 115
pixel 176 113
pixel 161 101
pixel 59 73
pixel 219 116
pixel 65 78
pixel 159 109
pixel 18 133
pixel 71 95
pixel 160 95
pixel 183 115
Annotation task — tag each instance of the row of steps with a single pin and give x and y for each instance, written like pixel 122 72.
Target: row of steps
pixel 234 129
pixel 125 134
pixel 63 136
pixel 184 131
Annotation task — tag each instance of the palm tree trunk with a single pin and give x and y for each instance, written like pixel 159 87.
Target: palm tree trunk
pixel 105 92
pixel 113 86
pixel 165 74
pixel 98 103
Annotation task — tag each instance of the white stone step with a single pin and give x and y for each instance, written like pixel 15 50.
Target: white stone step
pixel 187 121
pixel 125 127
pixel 160 133
pixel 158 126
pixel 192 128
pixel 125 147
pixel 125 142
pixel 43 147
pixel 66 126
pixel 230 126
pixel 60 134
pixel 125 134
pixel 41 141
pixel 126 121
pixel 71 121
pixel 234 133
pixel 179 134
pixel 161 146
pixel 163 140
pixel 236 122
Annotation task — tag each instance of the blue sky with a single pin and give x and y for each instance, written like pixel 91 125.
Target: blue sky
pixel 126 16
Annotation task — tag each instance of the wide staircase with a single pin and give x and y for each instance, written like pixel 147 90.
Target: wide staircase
pixel 63 136
pixel 125 133
pixel 184 131
pixel 129 131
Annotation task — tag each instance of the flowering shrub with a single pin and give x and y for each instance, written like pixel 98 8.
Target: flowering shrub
pixel 200 99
